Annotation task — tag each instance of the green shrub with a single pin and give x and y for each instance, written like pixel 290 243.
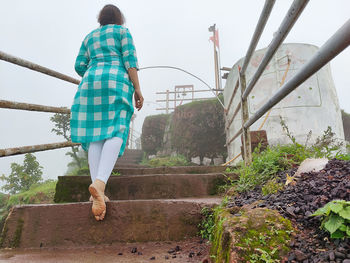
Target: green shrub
pixel 153 132
pixel 264 256
pixel 198 129
pixel 3 199
pixel 207 226
pixel 336 218
pixel 271 187
pixel 3 208
pixel 266 164
pixel 37 194
pixel 79 171
pixel 168 161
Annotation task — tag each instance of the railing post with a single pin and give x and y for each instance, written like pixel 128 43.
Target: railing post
pixel 167 102
pixel 245 117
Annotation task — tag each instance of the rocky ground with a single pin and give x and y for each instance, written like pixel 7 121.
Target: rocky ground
pixel 297 202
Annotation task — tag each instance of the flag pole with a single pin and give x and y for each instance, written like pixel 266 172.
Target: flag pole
pixel 213 29
pixel 219 64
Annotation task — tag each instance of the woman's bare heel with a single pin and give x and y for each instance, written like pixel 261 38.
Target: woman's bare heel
pixel 96 190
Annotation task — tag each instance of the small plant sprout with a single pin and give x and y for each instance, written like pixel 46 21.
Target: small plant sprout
pixel 336 218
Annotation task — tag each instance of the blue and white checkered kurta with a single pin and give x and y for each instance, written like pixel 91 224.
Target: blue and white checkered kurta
pixel 102 106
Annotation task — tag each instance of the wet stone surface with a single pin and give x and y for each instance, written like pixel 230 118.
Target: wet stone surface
pixel 312 191
pixel 192 251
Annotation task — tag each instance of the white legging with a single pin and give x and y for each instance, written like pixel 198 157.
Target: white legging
pixel 102 156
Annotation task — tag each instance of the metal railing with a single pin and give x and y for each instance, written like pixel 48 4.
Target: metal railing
pixel 336 44
pixel 35 107
pixel 27 64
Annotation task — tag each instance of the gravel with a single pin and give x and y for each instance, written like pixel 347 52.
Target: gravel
pixel 312 191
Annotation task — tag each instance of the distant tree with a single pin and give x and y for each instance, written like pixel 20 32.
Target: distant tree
pixel 22 177
pixel 62 128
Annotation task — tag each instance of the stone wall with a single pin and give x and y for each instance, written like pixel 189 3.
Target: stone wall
pixel 346 124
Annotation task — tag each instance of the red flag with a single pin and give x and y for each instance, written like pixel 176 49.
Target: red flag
pixel 216 41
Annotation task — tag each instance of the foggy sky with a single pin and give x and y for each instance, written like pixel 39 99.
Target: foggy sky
pixel 173 33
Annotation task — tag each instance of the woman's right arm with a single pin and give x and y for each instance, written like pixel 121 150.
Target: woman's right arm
pixel 131 64
pixel 135 81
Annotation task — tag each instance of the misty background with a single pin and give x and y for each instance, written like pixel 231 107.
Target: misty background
pixel 171 33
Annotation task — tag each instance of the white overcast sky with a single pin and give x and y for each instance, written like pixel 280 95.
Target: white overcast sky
pixel 165 32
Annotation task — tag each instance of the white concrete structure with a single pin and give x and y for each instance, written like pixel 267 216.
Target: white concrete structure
pixel 313 106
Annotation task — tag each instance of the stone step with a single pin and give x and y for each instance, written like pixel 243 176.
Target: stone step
pixel 192 250
pixel 133 151
pixel 148 186
pixel 129 162
pixel 73 225
pixel 133 160
pixel 130 156
pixel 128 165
pixel 170 170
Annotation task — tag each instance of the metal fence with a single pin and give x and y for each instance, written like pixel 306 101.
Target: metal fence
pixel 336 44
pixel 35 107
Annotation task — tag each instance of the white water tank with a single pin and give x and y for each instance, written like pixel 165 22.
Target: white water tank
pixel 313 106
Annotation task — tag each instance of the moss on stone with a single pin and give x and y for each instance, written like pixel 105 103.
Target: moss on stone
pixel 241 235
pixel 72 189
pixel 18 233
pixel 220 249
pixel 216 185
pixel 3 235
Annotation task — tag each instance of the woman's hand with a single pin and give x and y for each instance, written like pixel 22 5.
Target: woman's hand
pixel 138 99
pixel 135 81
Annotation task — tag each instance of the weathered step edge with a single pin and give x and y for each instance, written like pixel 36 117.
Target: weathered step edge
pixel 133 187
pixel 170 170
pixel 66 225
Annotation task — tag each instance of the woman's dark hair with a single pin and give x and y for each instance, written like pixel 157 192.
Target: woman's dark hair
pixel 110 14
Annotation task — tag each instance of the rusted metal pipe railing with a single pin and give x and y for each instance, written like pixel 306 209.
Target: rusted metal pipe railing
pixel 35 148
pixel 239 132
pixel 291 17
pixel 27 64
pixel 32 107
pixel 253 43
pixel 232 97
pixel 245 116
pixel 233 116
pixel 264 16
pixel 336 44
pixel 289 20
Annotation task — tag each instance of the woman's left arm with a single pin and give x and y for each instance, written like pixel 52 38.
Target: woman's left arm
pixel 82 61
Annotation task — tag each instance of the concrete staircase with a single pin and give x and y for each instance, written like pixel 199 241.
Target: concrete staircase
pixel 147 183
pixel 148 204
pixel 130 158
